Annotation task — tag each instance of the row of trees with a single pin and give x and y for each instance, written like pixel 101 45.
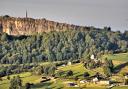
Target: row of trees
pixel 108 67
pixel 48 70
pixel 16 69
pixel 37 69
pixel 16 83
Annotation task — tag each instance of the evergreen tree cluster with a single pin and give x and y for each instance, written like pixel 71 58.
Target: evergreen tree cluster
pixel 108 67
pixel 48 70
pixel 58 46
pixel 15 83
pixel 16 69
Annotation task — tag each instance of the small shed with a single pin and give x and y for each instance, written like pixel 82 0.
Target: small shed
pixel 126 76
pixel 95 79
pixel 83 81
pixel 69 63
pixel 92 56
pixel 63 65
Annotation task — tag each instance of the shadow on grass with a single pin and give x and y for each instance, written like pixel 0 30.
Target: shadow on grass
pixel 45 85
pixel 119 67
pixel 76 73
pixel 60 88
pixel 3 83
pixel 80 75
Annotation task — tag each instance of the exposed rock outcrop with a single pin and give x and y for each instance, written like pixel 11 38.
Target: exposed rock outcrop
pixel 29 26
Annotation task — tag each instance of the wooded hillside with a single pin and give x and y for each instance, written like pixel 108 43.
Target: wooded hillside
pixel 64 45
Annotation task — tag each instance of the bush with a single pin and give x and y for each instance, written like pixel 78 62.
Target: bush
pixel 27 86
pixel 76 61
pixel 107 71
pixel 59 73
pixel 4 37
pixel 60 63
pixel 126 81
pixel 15 83
pixel 86 74
pixel 76 78
pixel 69 73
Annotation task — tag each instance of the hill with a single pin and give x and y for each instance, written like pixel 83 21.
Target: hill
pixel 38 46
pixel 60 45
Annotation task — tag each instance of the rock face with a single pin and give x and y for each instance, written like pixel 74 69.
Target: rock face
pixel 29 26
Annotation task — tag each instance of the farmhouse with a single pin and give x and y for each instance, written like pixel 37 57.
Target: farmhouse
pixel 69 63
pixel 95 79
pixel 63 65
pixel 104 82
pixel 100 79
pixel 126 76
pixel 92 56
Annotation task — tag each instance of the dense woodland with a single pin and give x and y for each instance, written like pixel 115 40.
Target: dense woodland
pixel 72 45
pixel 63 45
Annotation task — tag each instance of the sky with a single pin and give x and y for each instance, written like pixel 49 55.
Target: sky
pixel 98 13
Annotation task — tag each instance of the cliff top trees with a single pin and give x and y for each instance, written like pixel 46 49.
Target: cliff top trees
pixel 6 16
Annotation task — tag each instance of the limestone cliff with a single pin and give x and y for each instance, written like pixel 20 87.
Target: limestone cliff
pixel 29 26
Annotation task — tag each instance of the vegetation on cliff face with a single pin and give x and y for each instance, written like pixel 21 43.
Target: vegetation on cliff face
pixel 57 46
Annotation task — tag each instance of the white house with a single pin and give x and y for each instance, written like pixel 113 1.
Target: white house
pixel 104 82
pixel 69 63
pixel 126 77
pixel 92 57
pixel 83 81
pixel 63 65
pixel 95 79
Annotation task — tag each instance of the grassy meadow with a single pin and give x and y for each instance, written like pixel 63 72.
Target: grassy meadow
pixel 26 77
pixel 117 57
pixel 78 70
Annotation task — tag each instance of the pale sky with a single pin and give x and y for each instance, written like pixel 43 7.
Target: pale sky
pixel 98 13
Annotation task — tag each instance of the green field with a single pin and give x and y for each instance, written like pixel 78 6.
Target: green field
pixel 26 77
pixel 78 70
pixel 118 57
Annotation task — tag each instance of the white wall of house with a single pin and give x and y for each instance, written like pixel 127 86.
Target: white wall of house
pixel 104 82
